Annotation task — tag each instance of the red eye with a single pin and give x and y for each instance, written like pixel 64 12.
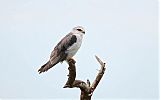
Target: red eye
pixel 79 29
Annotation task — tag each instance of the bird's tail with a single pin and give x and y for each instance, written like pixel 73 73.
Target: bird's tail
pixel 45 67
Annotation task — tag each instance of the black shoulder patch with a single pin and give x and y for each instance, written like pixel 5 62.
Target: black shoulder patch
pixel 72 40
pixel 68 43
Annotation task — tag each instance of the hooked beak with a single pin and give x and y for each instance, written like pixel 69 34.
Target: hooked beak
pixel 83 32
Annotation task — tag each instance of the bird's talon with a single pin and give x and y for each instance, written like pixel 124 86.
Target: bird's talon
pixel 71 60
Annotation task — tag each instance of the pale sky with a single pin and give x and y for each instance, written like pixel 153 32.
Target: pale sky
pixel 123 33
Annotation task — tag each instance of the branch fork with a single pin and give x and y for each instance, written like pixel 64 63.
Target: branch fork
pixel 86 88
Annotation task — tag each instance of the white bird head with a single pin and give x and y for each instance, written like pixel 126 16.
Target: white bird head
pixel 78 30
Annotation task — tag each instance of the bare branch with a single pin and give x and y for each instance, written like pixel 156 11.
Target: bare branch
pixel 88 83
pixel 86 89
pixel 72 73
pixel 82 85
pixel 101 63
pixel 99 76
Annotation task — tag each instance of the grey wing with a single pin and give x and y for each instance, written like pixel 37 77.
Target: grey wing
pixel 59 53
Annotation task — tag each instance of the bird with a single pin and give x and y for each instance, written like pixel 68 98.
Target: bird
pixel 65 49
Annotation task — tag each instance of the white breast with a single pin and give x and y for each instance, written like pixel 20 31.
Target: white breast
pixel 71 51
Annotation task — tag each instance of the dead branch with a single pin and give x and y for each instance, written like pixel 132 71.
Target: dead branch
pixel 99 76
pixel 72 73
pixel 85 87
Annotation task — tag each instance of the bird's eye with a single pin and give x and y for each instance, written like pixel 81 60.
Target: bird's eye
pixel 79 29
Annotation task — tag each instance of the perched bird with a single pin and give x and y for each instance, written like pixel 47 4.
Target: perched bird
pixel 65 49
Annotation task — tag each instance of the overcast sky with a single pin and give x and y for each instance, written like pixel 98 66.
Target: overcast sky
pixel 123 33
